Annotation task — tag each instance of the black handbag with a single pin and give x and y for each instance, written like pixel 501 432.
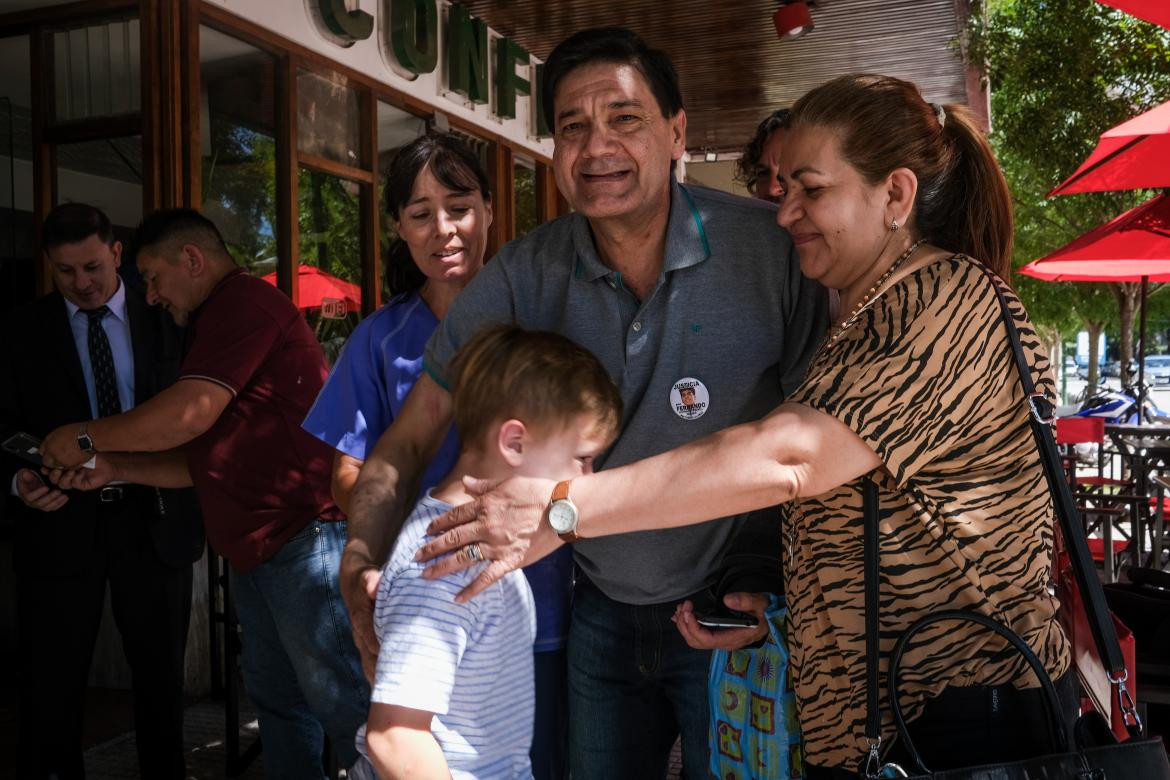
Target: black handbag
pixel 1090 752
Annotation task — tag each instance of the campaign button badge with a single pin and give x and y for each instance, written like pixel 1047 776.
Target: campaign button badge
pixel 689 398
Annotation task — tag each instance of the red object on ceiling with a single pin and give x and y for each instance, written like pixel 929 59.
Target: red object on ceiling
pixel 1133 155
pixel 1125 249
pixel 792 20
pixel 1156 11
pixel 314 285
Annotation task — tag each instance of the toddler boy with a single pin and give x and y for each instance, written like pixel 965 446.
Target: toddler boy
pixel 453 693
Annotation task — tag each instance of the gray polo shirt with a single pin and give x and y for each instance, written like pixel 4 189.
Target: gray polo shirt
pixel 726 333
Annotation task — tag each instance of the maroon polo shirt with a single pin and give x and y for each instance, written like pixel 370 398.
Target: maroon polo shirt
pixel 260 477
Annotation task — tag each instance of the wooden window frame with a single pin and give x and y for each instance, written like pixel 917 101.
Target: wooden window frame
pixel 169 122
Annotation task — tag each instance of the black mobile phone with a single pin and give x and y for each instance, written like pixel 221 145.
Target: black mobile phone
pixel 727 619
pixel 25 447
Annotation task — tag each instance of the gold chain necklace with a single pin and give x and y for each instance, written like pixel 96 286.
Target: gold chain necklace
pixel 845 323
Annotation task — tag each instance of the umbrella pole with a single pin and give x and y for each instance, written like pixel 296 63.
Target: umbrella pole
pixel 1142 356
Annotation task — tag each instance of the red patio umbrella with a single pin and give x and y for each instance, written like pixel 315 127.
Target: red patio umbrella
pixel 314 285
pixel 1133 155
pixel 1156 11
pixel 1134 247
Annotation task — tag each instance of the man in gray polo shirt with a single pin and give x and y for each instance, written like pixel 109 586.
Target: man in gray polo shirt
pixel 694 302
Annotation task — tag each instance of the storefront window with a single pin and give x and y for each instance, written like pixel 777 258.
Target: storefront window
pixel 524 187
pixel 238 143
pixel 329 275
pixel 16 190
pixel 96 70
pixel 106 173
pixel 396 128
pixel 328 118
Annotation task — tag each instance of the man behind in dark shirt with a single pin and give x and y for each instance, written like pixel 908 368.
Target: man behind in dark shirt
pixel 231 426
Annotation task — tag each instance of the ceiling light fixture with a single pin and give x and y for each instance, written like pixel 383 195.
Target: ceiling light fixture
pixel 793 20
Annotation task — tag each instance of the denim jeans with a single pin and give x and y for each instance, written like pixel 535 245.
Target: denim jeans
pixel 300 666
pixel 634 686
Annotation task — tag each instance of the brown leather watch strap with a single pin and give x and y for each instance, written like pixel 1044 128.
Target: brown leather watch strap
pixel 561 491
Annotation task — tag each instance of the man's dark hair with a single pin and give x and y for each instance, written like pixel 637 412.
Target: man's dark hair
pixel 615 45
pixel 177 227
pixel 747 168
pixel 70 223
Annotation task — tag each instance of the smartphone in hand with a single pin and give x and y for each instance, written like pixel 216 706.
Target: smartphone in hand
pixel 25 447
pixel 727 618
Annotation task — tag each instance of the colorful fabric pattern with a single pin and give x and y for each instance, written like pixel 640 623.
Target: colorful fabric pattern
pixel 755 734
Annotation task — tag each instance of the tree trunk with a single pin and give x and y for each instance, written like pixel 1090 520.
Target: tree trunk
pixel 1095 329
pixel 1127 295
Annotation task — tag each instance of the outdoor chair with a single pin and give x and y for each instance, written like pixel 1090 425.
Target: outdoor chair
pixel 1106 502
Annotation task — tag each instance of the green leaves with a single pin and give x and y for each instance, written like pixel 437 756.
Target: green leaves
pixel 1061 73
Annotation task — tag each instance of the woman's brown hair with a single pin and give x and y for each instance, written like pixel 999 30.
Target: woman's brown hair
pixel 963 202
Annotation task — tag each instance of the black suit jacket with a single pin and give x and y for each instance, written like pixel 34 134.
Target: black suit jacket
pixel 41 388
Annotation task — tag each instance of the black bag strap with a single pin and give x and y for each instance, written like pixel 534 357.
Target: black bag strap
pixel 1040 420
pixel 1041 417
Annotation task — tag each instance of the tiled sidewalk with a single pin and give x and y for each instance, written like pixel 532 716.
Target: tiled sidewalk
pixel 116 758
pixel 203 727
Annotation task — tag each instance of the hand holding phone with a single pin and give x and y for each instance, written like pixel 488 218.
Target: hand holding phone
pixel 37 493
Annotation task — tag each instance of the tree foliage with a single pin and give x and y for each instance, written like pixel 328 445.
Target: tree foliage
pixel 1061 73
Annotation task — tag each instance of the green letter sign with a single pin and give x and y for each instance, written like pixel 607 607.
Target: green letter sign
pixel 467 55
pixel 508 53
pixel 414 34
pixel 348 25
pixel 540 123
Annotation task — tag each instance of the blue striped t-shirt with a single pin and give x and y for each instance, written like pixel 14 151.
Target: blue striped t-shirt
pixel 470 664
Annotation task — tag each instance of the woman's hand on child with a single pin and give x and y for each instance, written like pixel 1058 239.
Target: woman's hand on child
pixel 506 523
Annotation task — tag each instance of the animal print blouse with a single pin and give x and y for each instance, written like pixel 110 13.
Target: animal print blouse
pixel 925 376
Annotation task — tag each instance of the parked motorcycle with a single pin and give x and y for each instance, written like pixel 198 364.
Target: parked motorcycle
pixel 1121 406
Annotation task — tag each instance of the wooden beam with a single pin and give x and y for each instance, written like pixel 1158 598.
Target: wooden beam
pixel 546 193
pixel 316 162
pixel 44 163
pixel 189 78
pixel 369 216
pixel 502 181
pixel 78 13
pixel 94 129
pixel 287 211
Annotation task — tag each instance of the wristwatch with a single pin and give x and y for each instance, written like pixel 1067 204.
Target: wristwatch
pixel 84 440
pixel 562 513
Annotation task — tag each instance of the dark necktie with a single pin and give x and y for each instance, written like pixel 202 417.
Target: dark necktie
pixel 105 381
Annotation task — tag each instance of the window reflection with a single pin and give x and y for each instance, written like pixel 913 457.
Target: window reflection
pixel 96 70
pixel 328 118
pixel 524 188
pixel 238 142
pixel 330 272
pixel 16 188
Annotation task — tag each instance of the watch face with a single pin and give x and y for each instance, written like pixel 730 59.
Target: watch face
pixel 562 516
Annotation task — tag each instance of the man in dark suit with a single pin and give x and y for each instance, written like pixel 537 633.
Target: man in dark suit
pixel 91 349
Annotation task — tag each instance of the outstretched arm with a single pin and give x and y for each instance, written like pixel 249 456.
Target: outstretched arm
pixel 795 451
pixel 157 469
pixel 175 416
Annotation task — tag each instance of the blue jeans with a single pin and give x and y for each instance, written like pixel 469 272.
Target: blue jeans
pixel 300 666
pixel 634 686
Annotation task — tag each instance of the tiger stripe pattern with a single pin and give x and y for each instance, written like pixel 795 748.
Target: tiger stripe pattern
pixel 925 375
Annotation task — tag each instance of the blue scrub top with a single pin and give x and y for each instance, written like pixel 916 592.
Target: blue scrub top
pixel 375 371
pixel 380 362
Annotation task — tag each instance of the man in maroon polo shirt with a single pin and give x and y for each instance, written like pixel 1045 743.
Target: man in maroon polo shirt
pixel 231 426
